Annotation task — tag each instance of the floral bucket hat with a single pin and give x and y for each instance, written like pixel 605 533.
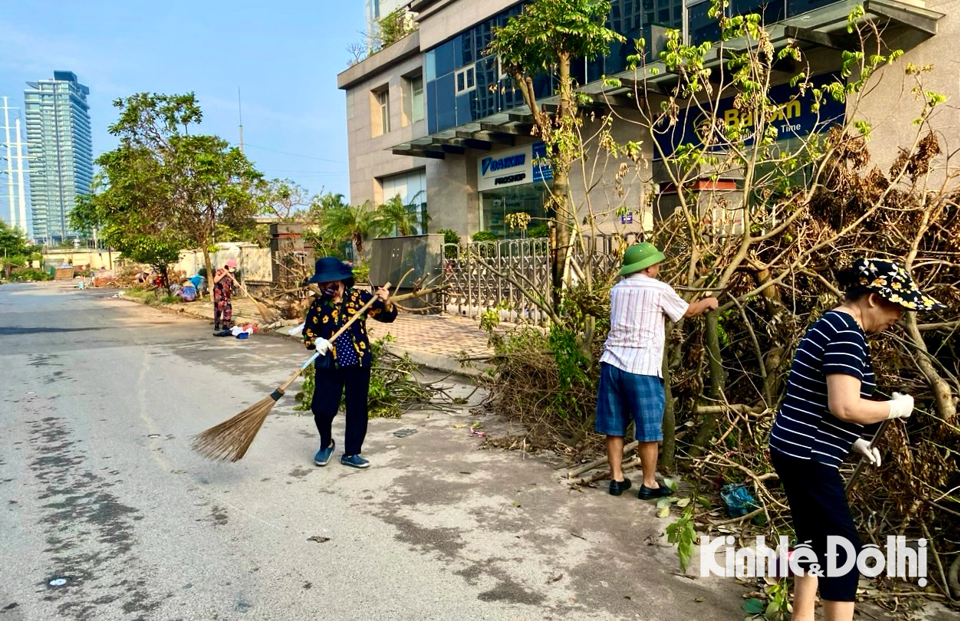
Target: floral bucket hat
pixel 894 284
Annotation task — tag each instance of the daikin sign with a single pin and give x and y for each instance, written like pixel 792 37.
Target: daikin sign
pixel 514 167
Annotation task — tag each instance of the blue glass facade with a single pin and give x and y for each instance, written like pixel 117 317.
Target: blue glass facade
pixel 59 143
pixel 464 85
pixel 702 28
pixel 450 103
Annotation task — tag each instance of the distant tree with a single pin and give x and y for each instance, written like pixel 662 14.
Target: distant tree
pixel 198 189
pixel 12 241
pixel 281 198
pixel 349 223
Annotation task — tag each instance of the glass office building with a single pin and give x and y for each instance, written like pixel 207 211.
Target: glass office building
pixel 61 152
pixel 466 84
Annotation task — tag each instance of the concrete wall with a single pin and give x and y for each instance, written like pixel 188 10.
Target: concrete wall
pixel 891 108
pixel 369 150
pixel 92 259
pixel 601 178
pixel 253 262
pixel 452 198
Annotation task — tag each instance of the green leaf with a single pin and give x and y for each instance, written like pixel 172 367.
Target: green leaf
pixel 683 502
pixel 664 512
pixel 670 483
pixel 754 606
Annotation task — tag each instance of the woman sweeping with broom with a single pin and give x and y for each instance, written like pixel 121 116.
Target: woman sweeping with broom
pixel 343 365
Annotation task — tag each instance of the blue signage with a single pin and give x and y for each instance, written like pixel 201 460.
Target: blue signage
pixel 796 117
pixel 541 168
pixel 490 164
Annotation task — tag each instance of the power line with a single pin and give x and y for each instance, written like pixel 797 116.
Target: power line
pixel 309 172
pixel 309 157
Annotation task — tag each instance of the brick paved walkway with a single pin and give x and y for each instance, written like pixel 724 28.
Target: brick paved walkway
pixel 434 334
pixel 432 340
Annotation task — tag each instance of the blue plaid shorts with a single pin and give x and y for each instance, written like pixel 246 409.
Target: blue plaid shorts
pixel 622 395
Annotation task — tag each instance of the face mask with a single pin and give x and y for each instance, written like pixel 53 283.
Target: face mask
pixel 329 291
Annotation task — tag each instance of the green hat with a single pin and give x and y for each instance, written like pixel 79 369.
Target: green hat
pixel 640 257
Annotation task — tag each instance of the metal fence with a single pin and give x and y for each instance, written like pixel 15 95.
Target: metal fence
pixel 483 276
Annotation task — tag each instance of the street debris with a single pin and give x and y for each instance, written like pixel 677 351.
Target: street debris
pixel 318 539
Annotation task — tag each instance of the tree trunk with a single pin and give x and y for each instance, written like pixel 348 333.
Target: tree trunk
pixel 559 161
pixel 165 277
pixel 708 426
pixel 668 449
pixel 209 266
pixel 774 304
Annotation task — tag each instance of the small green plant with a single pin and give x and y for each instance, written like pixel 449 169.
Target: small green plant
pixel 538 231
pixel 449 239
pixel 29 275
pixel 361 271
pixel 489 320
pixel 484 236
pixel 683 534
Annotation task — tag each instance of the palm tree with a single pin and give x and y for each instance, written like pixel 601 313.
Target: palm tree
pixel 393 215
pixel 349 222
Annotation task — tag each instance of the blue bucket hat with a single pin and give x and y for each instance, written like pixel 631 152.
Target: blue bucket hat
pixel 330 269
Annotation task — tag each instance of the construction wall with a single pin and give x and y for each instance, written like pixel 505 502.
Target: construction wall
pixel 92 259
pixel 253 262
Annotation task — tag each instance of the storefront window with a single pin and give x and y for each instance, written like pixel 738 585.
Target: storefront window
pixel 496 205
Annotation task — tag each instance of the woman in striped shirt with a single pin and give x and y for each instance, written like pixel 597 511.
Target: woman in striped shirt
pixel 824 415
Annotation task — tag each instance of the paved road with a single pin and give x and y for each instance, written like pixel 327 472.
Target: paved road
pixel 101 495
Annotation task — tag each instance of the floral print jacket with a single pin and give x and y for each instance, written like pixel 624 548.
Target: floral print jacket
pixel 325 317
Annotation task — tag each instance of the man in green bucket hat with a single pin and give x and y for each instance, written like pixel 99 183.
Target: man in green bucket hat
pixel 631 374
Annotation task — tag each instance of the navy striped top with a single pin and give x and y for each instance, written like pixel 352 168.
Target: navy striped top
pixel 804 427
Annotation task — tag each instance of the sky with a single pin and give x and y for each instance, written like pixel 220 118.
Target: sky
pixel 284 56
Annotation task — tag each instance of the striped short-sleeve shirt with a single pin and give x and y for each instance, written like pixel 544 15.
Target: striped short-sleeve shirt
pixel 639 305
pixel 804 427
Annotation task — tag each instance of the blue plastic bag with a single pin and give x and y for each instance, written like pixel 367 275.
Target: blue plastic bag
pixel 738 499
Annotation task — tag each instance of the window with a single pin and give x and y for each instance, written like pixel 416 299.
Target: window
pixel 381 119
pixel 413 110
pixel 411 187
pixel 416 87
pixel 466 80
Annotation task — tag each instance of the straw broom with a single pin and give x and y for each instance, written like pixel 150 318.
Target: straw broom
pixel 230 440
pixel 268 315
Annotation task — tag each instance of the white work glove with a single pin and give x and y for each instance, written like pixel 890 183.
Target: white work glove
pixel 323 346
pixel 901 406
pixel 872 455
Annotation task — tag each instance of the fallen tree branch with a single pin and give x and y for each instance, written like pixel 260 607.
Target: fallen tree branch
pixel 598 462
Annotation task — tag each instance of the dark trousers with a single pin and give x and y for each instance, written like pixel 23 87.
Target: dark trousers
pixel 330 385
pixel 818 504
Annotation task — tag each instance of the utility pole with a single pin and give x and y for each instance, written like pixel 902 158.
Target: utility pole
pixel 240 114
pixel 6 128
pixel 21 188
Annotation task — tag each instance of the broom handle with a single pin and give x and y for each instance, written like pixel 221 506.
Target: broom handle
pixel 863 460
pixel 246 292
pixel 339 332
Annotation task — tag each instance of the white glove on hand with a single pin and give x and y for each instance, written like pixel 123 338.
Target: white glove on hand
pixel 323 346
pixel 901 406
pixel 872 455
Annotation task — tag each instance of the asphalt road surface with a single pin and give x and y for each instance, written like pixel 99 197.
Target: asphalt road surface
pixel 106 513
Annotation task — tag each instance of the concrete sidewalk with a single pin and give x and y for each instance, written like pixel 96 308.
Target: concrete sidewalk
pixel 436 342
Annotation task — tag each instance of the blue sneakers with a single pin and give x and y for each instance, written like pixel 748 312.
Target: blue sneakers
pixel 323 455
pixel 354 461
